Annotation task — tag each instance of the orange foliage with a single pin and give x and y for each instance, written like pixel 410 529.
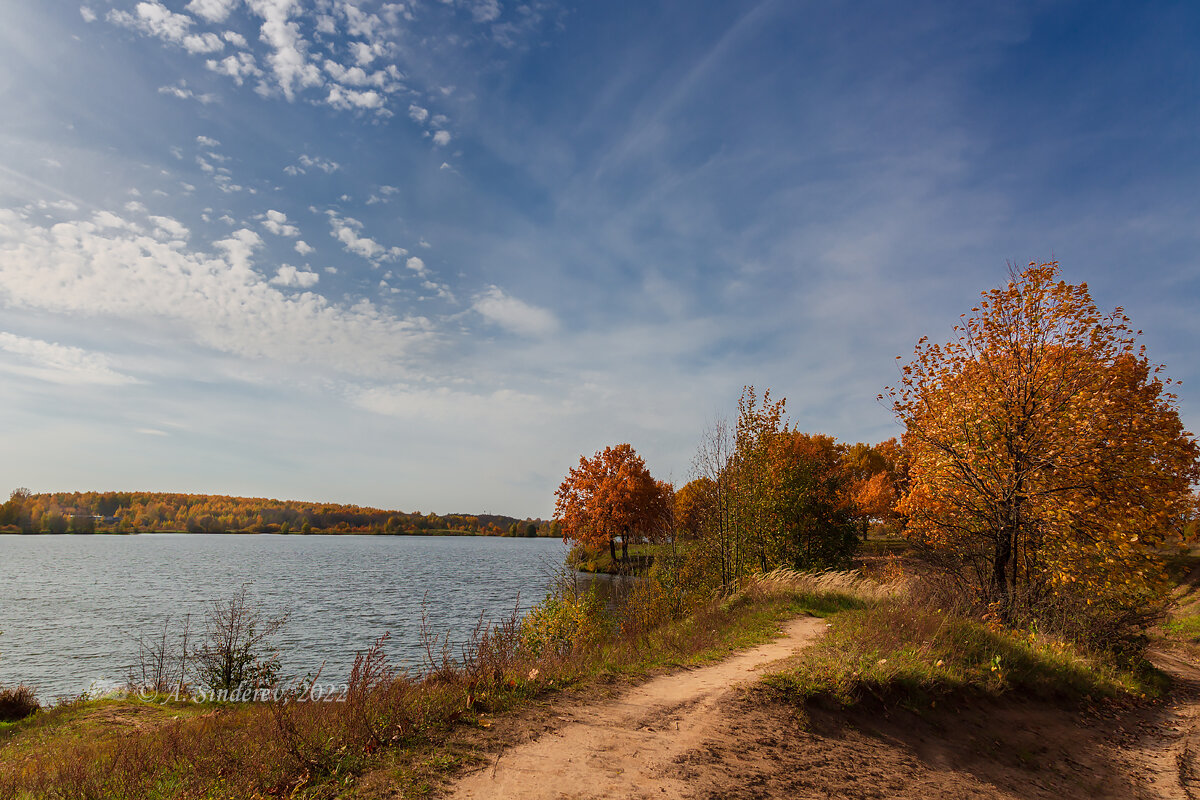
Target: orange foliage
pixel 1045 452
pixel 693 503
pixel 608 496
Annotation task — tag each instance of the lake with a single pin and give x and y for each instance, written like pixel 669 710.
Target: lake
pixel 71 607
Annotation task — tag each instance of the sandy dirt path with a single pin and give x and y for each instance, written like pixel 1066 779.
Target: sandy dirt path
pixel 1167 751
pixel 626 747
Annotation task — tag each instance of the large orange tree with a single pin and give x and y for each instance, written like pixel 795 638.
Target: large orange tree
pixel 1046 455
pixel 609 496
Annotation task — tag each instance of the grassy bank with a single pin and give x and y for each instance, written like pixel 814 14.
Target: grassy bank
pixel 899 652
pixel 159 748
pixel 641 559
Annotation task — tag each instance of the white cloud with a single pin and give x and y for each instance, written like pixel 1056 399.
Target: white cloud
pixel 365 53
pixel 514 315
pixel 303 248
pixel 154 19
pixel 485 10
pixel 276 223
pixel 183 93
pixel 289 57
pixel 169 228
pixel 326 24
pixel 441 138
pixel 384 79
pixel 59 205
pixel 416 265
pixel 104 266
pixel 212 10
pixel 346 230
pixel 238 66
pixel 57 363
pixel 340 97
pixel 503 407
pixel 87 14
pixel 288 275
pixel 323 164
pixel 359 23
pixel 235 39
pixel 417 113
pixel 196 43
pixel 207 141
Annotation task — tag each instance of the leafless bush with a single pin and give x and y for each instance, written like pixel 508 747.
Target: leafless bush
pixel 438 651
pixel 162 659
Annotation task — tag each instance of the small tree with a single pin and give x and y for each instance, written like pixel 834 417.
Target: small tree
pixel 608 496
pixel 1046 456
pixel 237 650
pixel 809 511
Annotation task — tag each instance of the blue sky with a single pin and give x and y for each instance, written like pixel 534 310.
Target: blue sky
pixel 423 255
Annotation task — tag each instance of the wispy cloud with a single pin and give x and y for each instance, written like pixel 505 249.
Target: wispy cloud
pixel 56 363
pixel 515 316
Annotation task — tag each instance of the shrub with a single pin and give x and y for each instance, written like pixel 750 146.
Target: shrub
pixel 237 652
pixel 17 703
pixel 565 622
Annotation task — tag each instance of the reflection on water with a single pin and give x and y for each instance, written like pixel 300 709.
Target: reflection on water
pixel 71 606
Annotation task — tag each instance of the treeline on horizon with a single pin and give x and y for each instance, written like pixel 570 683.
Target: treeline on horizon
pixel 143 512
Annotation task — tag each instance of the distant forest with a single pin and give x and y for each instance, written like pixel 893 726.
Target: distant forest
pixel 139 512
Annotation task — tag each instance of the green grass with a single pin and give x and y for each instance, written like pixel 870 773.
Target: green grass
pixel 1183 627
pixel 894 652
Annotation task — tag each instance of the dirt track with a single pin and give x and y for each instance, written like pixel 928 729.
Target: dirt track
pixel 629 747
pixel 707 733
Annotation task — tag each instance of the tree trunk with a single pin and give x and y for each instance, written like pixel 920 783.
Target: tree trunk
pixel 1004 553
pixel 625 547
pixel 612 548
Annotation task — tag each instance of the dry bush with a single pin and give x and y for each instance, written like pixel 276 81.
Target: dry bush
pixel 17 702
pixel 494 651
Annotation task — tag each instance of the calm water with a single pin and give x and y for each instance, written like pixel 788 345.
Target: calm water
pixel 72 606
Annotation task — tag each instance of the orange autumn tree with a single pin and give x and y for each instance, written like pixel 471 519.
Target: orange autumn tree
pixel 875 473
pixel 1046 456
pixel 608 496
